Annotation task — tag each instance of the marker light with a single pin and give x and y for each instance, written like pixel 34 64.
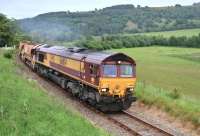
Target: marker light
pixel 119 62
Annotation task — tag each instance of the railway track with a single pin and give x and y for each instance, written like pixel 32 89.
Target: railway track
pixel 147 128
pixel 130 122
pixel 134 124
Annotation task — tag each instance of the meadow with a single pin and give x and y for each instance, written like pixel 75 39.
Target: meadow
pixel 25 109
pixel 169 77
pixel 176 33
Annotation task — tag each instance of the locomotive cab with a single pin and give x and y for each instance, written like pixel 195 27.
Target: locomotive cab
pixel 117 76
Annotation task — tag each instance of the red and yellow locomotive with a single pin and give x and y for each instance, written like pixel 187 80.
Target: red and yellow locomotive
pixel 105 80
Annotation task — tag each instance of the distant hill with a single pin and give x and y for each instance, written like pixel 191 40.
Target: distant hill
pixel 66 25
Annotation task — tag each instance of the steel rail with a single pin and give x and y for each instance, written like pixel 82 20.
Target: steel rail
pixel 135 117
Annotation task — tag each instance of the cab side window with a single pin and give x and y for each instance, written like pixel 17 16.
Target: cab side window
pixel 41 57
pixel 93 69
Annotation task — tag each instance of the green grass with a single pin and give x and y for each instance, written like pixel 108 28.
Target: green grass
pixel 180 106
pixel 168 68
pixel 176 33
pixel 26 110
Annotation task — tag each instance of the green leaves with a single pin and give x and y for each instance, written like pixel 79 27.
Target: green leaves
pixel 10 34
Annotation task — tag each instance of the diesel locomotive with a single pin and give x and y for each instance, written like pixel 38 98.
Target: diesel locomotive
pixel 103 79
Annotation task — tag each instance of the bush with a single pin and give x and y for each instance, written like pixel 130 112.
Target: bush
pixel 174 94
pixel 8 54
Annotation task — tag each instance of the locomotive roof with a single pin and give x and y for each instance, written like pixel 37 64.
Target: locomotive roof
pixel 96 57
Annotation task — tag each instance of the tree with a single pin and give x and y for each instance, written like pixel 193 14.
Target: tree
pixel 138 6
pixel 178 5
pixel 10 33
pixel 4 31
pixel 7 31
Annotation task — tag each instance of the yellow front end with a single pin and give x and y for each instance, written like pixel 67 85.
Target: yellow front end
pixel 116 86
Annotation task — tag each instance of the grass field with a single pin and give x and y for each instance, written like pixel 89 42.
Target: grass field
pixel 26 110
pixel 176 33
pixel 161 70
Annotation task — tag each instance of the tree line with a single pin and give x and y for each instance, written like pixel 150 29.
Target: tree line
pixel 124 41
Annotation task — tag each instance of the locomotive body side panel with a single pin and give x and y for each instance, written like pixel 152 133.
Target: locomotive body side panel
pixel 67 66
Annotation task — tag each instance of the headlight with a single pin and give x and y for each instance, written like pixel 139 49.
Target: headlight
pixel 104 89
pixel 131 89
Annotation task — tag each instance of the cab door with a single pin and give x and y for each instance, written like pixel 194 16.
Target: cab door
pixel 82 69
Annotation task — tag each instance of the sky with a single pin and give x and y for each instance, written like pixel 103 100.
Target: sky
pixel 19 9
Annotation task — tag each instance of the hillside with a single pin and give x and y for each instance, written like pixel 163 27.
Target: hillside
pixel 63 26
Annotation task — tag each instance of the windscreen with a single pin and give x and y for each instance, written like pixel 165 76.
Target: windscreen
pixel 126 71
pixel 109 70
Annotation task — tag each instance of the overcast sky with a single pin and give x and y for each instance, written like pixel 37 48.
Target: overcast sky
pixel 28 8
